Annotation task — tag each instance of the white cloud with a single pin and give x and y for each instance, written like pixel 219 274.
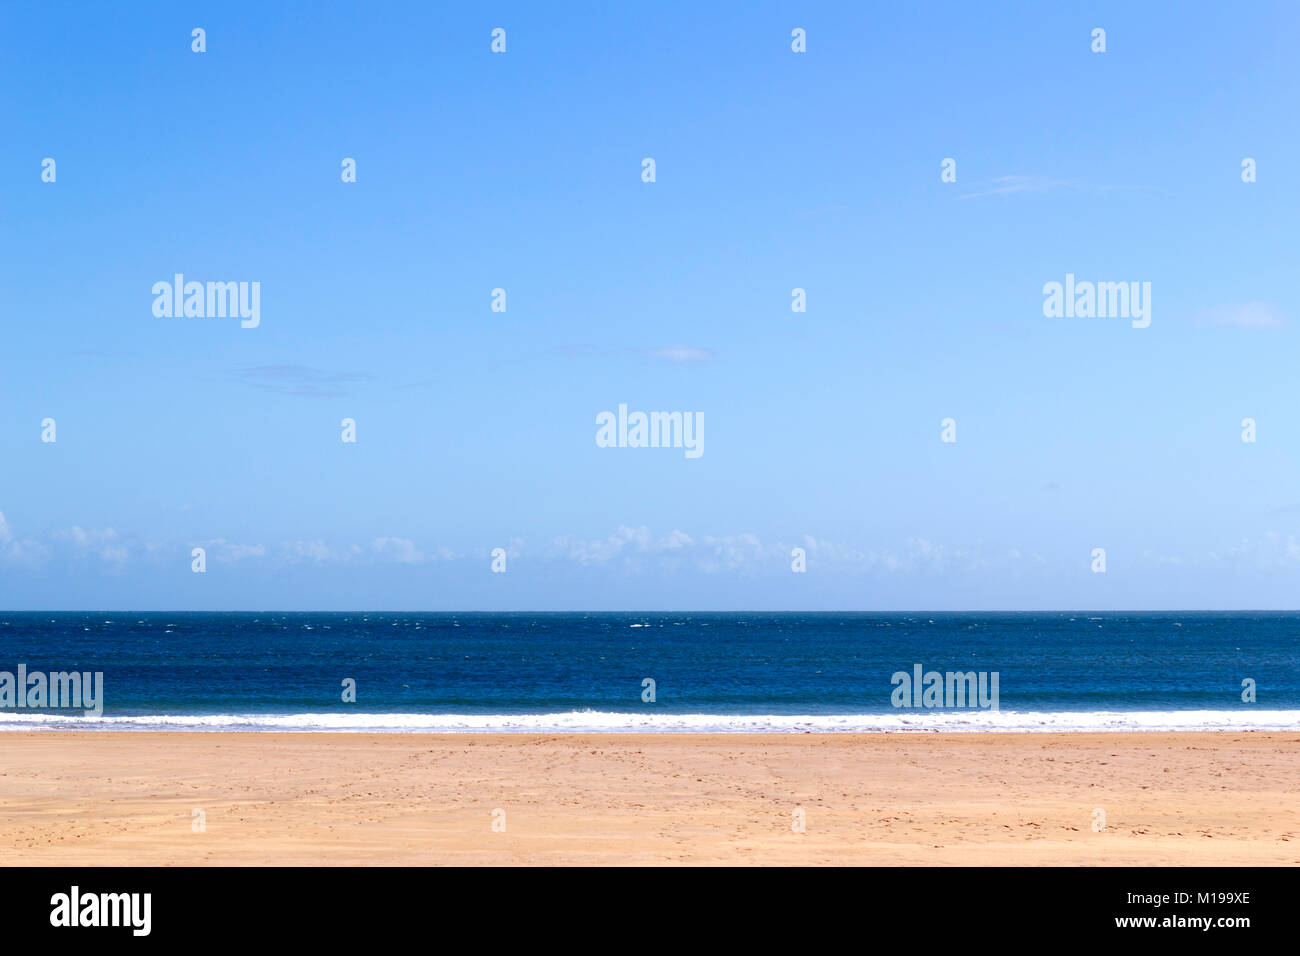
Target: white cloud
pixel 633 548
pixel 103 543
pixel 383 549
pixel 223 551
pixel 20 551
pixel 401 550
pixel 108 546
pixel 317 551
pixel 738 552
pixel 625 543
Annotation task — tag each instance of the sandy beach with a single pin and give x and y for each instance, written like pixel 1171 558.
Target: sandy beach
pixel 648 799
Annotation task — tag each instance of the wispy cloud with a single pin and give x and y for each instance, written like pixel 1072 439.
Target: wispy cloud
pixel 315 551
pixel 669 353
pixel 18 550
pixel 381 550
pixel 405 551
pixel 1244 315
pixel 622 543
pixel 681 353
pixel 104 544
pixel 1017 185
pixel 1011 185
pixel 74 543
pixel 225 552
pixel 637 548
pixel 300 380
pixel 628 550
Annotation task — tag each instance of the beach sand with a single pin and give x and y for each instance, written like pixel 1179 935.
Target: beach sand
pixel 648 799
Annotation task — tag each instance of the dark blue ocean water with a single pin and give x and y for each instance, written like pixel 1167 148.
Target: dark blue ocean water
pixel 489 666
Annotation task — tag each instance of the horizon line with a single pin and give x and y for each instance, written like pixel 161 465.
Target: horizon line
pixel 645 611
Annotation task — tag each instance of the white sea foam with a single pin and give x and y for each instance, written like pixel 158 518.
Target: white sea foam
pixel 593 721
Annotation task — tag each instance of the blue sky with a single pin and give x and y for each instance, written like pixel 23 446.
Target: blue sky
pixel 774 170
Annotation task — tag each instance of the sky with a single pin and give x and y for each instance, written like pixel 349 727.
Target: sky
pixel 774 170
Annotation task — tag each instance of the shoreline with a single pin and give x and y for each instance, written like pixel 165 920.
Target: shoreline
pixel 899 721
pixel 275 798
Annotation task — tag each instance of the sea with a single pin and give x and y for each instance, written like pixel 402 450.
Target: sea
pixel 658 672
